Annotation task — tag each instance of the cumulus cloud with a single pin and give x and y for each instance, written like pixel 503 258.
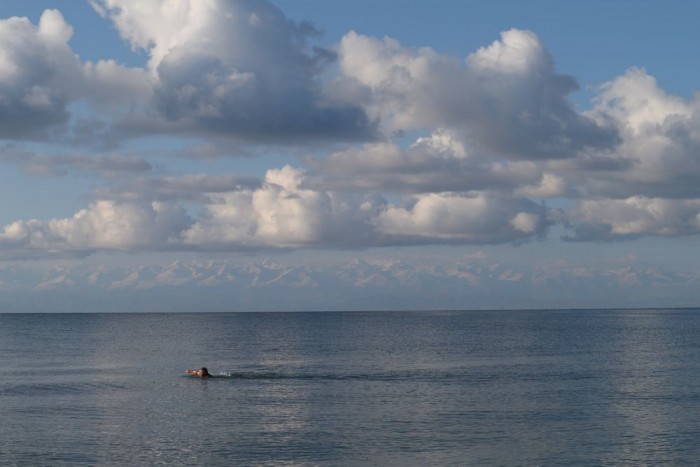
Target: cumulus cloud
pixel 32 59
pixel 241 68
pixel 507 97
pixel 637 104
pixel 235 67
pixel 647 186
pixel 657 155
pixel 634 217
pixel 464 219
pixel 279 213
pixel 494 135
pixel 41 79
pixel 104 225
pixel 282 213
pixel 435 163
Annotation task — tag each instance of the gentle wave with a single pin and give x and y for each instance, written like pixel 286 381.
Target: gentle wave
pixel 470 374
pixel 35 389
pixel 380 376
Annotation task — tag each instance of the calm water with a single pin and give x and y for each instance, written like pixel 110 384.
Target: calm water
pixel 440 388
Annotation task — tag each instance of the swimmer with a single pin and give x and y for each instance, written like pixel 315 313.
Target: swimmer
pixel 203 373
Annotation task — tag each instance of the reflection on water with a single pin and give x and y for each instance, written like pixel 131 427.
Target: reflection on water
pixel 505 388
pixel 649 388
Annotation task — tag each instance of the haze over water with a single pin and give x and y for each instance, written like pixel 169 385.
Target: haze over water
pixel 401 388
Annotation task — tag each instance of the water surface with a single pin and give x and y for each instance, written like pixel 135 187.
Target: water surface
pixel 395 388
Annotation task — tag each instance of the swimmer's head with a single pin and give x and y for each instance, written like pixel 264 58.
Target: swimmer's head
pixel 204 371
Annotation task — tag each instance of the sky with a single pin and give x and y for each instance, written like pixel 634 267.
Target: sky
pixel 238 155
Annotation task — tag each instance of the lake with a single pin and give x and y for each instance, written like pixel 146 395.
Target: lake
pixel 514 387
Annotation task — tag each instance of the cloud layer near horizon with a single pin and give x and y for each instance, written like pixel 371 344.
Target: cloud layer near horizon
pixel 404 146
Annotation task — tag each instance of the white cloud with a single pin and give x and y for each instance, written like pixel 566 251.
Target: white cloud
pixel 279 214
pixel 636 102
pixel 494 134
pixel 436 163
pixel 518 52
pixel 526 222
pixel 32 60
pixel 104 225
pixel 548 186
pixel 473 219
pixel 634 217
pixel 41 79
pixel 507 98
pixel 282 213
pixel 235 67
pixel 656 156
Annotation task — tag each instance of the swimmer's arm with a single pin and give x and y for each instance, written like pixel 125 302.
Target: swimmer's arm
pixel 193 372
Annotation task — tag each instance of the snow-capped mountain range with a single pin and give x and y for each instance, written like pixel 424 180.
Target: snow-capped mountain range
pixel 229 285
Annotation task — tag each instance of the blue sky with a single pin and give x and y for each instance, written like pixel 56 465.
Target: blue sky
pixel 477 155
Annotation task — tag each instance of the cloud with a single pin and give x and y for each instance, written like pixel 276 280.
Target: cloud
pixel 647 186
pixel 507 98
pixel 634 217
pixel 241 68
pixel 104 225
pixel 435 163
pixel 492 136
pixel 280 214
pixel 284 214
pixel 660 139
pixel 464 219
pixel 237 68
pixel 637 104
pixel 47 93
pixel 62 164
pixel 32 60
pixel 237 215
pixel 114 89
pixel 189 189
